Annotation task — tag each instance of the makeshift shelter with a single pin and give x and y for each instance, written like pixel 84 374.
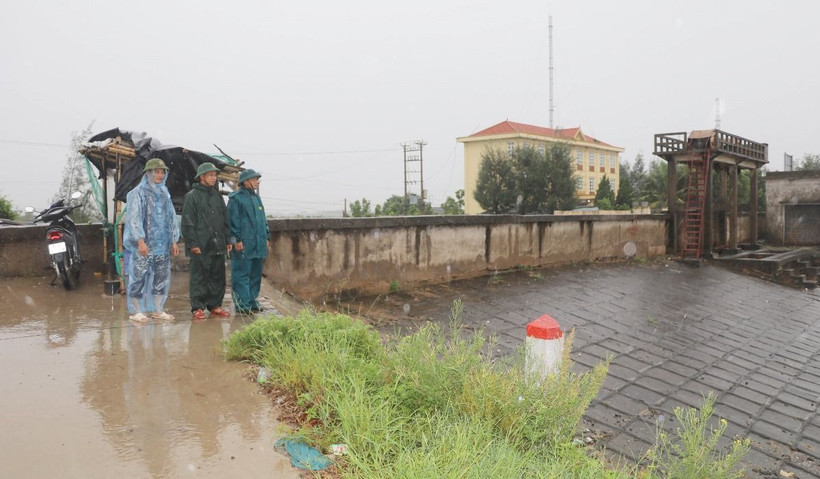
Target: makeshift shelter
pixel 121 155
pixel 124 153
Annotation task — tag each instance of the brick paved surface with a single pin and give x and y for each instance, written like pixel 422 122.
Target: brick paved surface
pixel 675 333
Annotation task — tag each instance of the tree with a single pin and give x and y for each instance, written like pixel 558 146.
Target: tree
pixel 655 189
pixel 360 209
pixel 636 173
pixel 530 179
pixel 75 178
pixel 495 188
pixel 809 162
pixel 395 206
pixel 744 188
pixel 604 192
pixel 534 182
pixel 7 209
pixel 560 179
pixel 626 192
pixel 454 206
pixel 604 204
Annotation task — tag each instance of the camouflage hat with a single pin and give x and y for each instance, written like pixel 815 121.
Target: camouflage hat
pixel 248 174
pixel 204 168
pixel 154 164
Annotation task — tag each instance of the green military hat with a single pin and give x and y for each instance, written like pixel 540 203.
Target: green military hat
pixel 248 174
pixel 154 164
pixel 204 168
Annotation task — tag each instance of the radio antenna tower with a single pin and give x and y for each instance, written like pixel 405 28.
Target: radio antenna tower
pixel 552 107
pixel 717 113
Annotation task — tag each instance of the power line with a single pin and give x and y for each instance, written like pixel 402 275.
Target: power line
pixel 296 153
pixel 292 153
pixel 33 143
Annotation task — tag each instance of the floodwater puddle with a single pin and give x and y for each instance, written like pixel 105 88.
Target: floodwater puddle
pixel 88 393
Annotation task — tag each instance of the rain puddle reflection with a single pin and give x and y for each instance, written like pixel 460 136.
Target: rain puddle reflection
pixel 101 396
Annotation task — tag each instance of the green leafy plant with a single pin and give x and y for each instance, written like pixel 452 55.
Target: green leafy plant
pixel 692 453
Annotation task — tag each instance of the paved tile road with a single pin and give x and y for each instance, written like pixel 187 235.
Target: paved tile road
pixel 675 333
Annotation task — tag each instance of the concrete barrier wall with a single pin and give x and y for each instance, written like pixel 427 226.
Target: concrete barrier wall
pixel 23 250
pixel 316 257
pixel 313 258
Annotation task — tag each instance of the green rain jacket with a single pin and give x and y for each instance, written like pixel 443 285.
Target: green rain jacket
pixel 205 221
pixel 248 223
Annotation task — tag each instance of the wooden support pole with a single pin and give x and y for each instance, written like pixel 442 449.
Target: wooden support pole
pixel 722 202
pixel 671 202
pixel 708 211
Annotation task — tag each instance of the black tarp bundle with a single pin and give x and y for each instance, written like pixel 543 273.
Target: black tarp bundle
pixel 182 164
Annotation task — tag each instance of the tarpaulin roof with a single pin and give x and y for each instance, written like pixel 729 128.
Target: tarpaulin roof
pixel 126 152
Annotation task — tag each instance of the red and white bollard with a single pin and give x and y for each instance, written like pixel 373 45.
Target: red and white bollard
pixel 545 347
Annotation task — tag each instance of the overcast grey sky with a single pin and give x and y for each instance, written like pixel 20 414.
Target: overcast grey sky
pixel 318 96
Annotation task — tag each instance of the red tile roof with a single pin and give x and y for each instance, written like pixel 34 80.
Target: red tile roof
pixel 507 127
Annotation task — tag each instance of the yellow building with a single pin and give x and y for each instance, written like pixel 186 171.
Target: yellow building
pixel 593 158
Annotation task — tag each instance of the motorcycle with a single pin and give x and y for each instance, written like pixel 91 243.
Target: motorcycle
pixel 61 239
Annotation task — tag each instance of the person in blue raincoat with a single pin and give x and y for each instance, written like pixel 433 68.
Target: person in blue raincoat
pixel 250 236
pixel 150 237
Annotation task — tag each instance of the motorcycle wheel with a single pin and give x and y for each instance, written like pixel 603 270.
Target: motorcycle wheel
pixel 67 277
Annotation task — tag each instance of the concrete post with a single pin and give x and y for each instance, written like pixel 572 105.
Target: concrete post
pixel 545 347
pixel 753 205
pixel 733 207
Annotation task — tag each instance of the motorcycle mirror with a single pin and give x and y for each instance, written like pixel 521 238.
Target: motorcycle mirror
pixel 29 209
pixel 76 195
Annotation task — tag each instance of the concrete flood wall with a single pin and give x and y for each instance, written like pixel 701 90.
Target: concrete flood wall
pixel 312 258
pixel 318 257
pixel 23 250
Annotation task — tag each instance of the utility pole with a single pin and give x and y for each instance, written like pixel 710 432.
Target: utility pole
pixel 413 176
pixel 552 106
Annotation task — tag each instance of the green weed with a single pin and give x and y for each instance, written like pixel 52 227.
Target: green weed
pixel 693 452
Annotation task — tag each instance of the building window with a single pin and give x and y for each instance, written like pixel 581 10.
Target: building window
pixel 592 184
pixel 592 158
pixel 612 160
pixel 580 156
pixel 510 147
pixel 601 160
pixel 541 150
pixel 579 183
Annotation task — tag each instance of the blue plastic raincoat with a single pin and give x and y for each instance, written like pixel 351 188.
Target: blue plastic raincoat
pixel 150 216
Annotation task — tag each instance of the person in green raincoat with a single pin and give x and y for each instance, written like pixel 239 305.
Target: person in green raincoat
pixel 206 233
pixel 251 238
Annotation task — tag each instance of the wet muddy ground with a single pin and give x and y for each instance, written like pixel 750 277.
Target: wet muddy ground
pixel 88 393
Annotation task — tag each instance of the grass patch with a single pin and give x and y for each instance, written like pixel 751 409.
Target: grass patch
pixel 429 404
